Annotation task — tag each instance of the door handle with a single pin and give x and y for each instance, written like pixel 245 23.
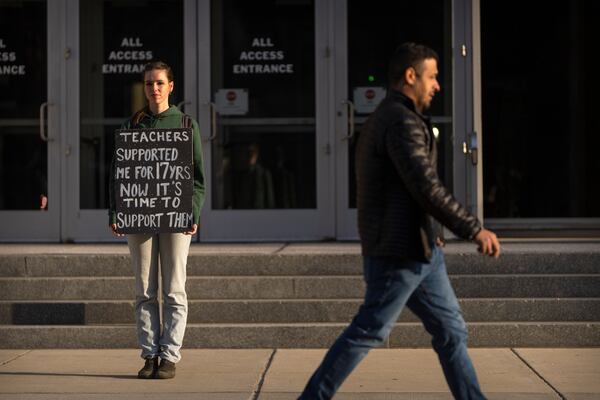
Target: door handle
pixel 350 105
pixel 213 120
pixel 43 134
pixel 471 148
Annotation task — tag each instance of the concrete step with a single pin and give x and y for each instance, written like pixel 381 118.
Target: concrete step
pixel 298 287
pixel 547 260
pixel 295 295
pixel 491 334
pixel 292 311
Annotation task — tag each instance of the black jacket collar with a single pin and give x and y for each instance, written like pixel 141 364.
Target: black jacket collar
pixel 407 101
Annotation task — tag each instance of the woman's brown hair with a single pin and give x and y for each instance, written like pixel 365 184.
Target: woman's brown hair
pixel 158 65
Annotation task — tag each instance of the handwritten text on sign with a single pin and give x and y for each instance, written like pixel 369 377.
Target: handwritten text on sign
pixel 153 180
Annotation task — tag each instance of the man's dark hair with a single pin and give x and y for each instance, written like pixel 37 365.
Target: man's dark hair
pixel 408 55
pixel 151 66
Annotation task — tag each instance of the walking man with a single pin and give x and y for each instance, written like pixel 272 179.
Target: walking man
pixel 401 203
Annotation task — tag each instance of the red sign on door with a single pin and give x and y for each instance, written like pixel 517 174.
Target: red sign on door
pixel 231 96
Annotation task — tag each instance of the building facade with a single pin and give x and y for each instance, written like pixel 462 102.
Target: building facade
pixel 280 89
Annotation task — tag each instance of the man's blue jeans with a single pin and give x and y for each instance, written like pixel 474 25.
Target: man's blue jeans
pixel 425 288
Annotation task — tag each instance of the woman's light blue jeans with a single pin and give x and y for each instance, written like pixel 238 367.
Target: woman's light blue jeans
pixel 172 249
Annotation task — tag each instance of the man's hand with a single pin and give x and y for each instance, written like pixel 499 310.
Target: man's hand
pixel 487 243
pixel 192 231
pixel 113 227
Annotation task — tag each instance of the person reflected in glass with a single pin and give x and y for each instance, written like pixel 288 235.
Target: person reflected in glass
pixel 284 181
pixel 170 248
pixel 401 203
pixel 252 182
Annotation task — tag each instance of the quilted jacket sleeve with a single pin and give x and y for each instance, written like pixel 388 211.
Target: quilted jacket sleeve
pixel 406 144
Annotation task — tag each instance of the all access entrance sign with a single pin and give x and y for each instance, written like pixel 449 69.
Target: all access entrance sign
pixel 153 180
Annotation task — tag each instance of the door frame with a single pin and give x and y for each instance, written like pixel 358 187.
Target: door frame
pixel 37 225
pixel 270 225
pixel 466 96
pixel 346 217
pixel 91 225
pixel 516 227
pixel 468 176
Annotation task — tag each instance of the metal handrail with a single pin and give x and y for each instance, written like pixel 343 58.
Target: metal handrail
pixel 350 105
pixel 43 134
pixel 213 120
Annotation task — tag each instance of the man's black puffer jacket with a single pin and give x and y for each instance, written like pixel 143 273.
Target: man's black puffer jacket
pixel 399 193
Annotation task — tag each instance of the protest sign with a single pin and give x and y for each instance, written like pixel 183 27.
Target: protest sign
pixel 153 180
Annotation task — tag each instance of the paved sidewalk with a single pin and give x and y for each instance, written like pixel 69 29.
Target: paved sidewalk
pixel 265 374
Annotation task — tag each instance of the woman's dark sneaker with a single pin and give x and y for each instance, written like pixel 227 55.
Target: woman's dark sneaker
pixel 166 370
pixel 149 369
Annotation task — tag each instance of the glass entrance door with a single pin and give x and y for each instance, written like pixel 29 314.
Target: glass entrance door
pixel 365 38
pixel 113 41
pixel 264 118
pixel 541 165
pixel 30 197
pixel 280 90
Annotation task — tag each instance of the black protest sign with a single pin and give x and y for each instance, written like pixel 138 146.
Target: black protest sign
pixel 153 180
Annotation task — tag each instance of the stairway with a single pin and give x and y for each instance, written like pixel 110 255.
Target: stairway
pixel 544 294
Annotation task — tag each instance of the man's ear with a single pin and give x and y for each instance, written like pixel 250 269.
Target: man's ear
pixel 410 76
pixel 171 87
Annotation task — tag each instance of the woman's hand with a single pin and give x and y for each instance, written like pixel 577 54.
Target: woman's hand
pixel 192 231
pixel 113 227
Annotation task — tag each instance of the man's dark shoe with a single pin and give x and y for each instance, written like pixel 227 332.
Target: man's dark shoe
pixel 149 369
pixel 166 370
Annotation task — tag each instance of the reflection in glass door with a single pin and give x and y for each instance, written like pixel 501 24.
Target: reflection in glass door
pixel 265 169
pixel 29 189
pixel 264 82
pixel 366 38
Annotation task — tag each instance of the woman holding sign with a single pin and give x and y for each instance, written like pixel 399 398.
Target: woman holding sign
pixel 152 244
